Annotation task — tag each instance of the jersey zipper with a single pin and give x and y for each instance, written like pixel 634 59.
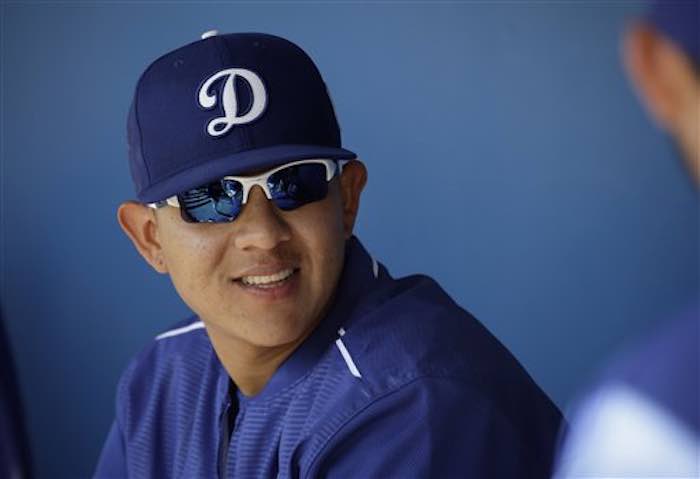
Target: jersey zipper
pixel 228 423
pixel 224 439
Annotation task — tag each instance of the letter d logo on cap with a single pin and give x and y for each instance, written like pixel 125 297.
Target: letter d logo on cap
pixel 221 125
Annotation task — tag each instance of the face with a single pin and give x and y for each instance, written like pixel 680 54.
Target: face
pixel 268 277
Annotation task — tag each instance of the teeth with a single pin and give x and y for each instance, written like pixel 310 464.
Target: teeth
pixel 263 280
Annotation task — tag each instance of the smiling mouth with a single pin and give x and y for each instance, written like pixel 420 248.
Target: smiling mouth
pixel 270 281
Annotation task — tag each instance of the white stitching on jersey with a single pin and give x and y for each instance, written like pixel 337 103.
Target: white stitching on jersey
pixel 178 331
pixel 346 355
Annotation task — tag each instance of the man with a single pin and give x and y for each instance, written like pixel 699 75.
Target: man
pixel 643 418
pixel 305 357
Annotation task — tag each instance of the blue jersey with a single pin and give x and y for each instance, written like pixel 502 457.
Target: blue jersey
pixel 397 381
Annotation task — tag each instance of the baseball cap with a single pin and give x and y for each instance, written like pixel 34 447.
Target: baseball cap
pixel 679 20
pixel 225 105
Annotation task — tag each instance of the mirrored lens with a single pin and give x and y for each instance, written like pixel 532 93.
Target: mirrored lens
pixel 214 203
pixel 298 185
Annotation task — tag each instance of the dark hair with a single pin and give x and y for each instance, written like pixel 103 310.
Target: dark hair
pixel 678 20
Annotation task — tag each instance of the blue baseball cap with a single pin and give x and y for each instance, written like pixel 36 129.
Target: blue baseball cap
pixel 679 20
pixel 225 105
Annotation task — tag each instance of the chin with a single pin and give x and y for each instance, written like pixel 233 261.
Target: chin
pixel 278 336
pixel 268 333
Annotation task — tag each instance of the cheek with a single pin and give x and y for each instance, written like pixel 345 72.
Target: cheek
pixel 192 261
pixel 319 222
pixel 323 236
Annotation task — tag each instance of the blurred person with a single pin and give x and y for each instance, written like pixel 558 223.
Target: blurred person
pixel 305 357
pixel 14 449
pixel 642 419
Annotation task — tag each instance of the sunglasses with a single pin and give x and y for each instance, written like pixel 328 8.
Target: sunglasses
pixel 289 186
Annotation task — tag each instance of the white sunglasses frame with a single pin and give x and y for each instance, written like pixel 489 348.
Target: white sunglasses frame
pixel 261 180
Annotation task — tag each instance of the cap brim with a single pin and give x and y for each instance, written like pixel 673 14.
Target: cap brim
pixel 235 164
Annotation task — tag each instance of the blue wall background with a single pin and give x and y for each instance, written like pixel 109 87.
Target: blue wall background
pixel 508 158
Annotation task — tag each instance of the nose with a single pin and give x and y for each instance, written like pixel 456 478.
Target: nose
pixel 260 226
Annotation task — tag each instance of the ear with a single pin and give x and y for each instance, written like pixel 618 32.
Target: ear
pixel 352 181
pixel 660 72
pixel 139 224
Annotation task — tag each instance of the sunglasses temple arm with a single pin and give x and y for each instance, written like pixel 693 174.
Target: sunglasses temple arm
pixel 341 164
pixel 172 201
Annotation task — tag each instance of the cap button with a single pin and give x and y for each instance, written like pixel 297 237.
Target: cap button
pixel 210 33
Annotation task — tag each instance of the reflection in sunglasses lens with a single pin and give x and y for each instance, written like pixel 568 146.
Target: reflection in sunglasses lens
pixel 298 185
pixel 209 204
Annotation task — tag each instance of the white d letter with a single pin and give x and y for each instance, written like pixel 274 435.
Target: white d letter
pixel 230 101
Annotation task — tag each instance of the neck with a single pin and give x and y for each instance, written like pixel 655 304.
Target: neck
pixel 249 366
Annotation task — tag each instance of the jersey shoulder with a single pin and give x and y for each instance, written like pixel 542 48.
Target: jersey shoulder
pixel 165 351
pixel 416 329
pixel 417 332
pixel 178 363
pixel 410 360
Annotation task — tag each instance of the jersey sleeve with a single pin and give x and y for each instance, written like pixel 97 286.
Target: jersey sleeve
pixel 432 427
pixel 620 432
pixel 112 461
